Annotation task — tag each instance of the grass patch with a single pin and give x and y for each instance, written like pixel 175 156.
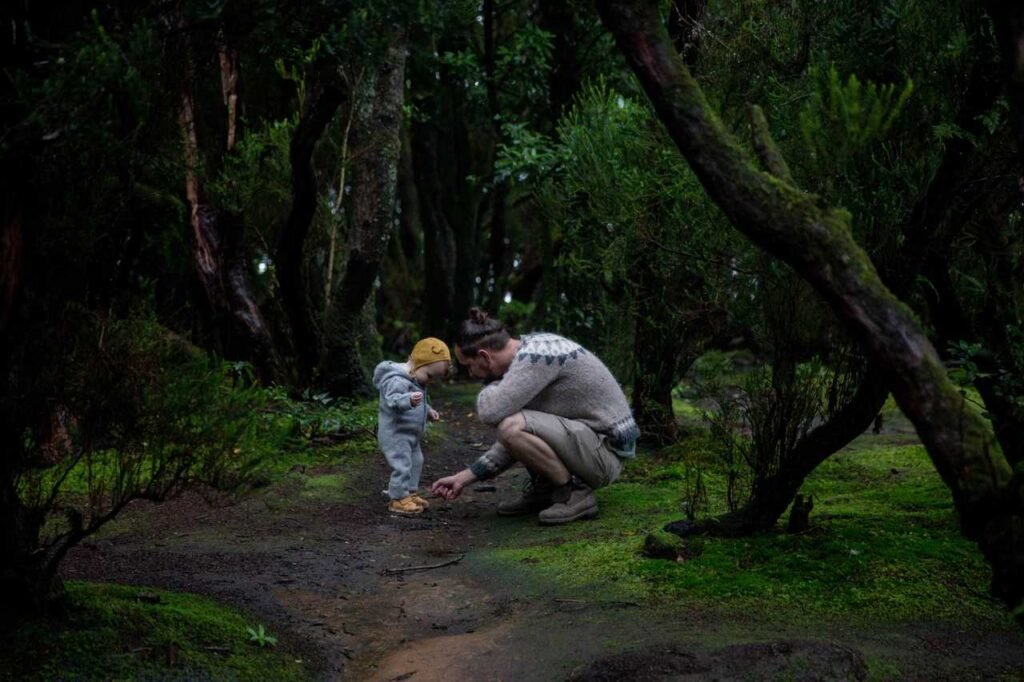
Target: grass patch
pixel 109 633
pixel 687 412
pixel 325 487
pixel 322 432
pixel 317 445
pixel 885 546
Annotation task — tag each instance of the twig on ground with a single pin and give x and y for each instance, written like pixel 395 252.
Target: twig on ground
pixel 427 567
pixel 218 649
pixel 611 602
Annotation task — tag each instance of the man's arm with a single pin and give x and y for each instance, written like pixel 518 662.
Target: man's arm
pixel 522 382
pixel 492 462
pixel 451 487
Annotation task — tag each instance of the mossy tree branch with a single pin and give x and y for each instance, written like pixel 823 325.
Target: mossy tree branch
pixel 765 148
pixel 816 240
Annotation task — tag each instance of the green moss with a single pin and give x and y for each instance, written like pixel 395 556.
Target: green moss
pixel 885 546
pixel 686 411
pixel 882 669
pixel 109 633
pixel 326 486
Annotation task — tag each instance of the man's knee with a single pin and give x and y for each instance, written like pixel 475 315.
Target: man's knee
pixel 510 428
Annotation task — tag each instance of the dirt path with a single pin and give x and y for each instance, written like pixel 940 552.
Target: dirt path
pixel 317 563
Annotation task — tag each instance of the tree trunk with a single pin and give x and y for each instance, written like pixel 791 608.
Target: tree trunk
pixel 665 344
pixel 497 270
pixel 291 244
pixel 254 339
pixel 20 592
pixel 238 323
pixel 685 26
pixel 26 588
pixel 1003 306
pixel 952 323
pixel 464 206
pixel 556 17
pixel 438 237
pixel 450 199
pixel 494 272
pixel 377 141
pixel 1006 304
pixel 410 225
pixel 401 290
pixel 1008 21
pixel 656 360
pixel 816 241
pixel 10 263
pixel 946 205
pixel 207 241
pixel 770 496
pixel 229 75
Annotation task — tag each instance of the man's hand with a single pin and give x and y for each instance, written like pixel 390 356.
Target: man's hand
pixel 450 487
pixel 416 398
pixel 432 415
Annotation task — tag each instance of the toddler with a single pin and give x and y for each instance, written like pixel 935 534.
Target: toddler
pixel 403 416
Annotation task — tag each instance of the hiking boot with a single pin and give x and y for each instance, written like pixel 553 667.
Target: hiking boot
pixel 572 501
pixel 536 495
pixel 419 501
pixel 406 505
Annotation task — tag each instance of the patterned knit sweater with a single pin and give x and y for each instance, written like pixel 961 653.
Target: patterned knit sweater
pixel 553 374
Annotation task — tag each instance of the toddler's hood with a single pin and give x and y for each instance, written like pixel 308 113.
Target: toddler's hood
pixel 387 369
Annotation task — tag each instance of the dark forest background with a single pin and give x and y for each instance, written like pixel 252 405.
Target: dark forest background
pixel 211 205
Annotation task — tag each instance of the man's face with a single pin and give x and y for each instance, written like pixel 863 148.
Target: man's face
pixel 480 365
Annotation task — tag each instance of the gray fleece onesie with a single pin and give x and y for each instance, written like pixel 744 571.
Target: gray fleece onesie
pixel 400 426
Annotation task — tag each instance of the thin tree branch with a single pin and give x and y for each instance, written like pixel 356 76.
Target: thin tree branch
pixel 765 148
pixel 426 567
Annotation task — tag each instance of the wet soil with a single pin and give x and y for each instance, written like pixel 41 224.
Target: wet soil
pixel 363 594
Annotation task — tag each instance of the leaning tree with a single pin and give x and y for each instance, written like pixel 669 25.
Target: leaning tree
pixel 816 240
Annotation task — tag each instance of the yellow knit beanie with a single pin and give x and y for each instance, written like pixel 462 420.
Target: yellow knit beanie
pixel 429 350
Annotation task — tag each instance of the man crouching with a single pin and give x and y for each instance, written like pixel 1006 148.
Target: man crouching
pixel 559 411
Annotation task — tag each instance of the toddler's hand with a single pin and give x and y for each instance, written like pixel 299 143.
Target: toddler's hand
pixel 416 398
pixel 433 415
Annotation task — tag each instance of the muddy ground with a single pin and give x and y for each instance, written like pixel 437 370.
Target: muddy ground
pixel 326 569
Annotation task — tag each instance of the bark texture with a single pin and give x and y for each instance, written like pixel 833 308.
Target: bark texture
pixel 438 235
pixel 376 139
pixel 291 244
pixel 237 320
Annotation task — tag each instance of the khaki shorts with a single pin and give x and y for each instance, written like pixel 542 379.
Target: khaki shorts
pixel 585 453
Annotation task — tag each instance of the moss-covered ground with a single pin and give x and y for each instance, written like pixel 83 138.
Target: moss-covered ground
pixel 884 545
pixel 117 632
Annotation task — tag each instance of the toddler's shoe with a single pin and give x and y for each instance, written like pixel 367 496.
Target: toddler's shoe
pixel 406 505
pixel 419 500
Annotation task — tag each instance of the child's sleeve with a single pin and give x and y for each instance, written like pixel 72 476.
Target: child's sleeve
pixel 394 395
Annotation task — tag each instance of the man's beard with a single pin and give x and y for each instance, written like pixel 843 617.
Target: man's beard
pixel 491 378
